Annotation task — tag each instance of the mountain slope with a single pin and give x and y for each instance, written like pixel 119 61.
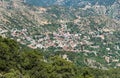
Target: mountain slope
pixel 95 36
pixel 110 8
pixel 69 2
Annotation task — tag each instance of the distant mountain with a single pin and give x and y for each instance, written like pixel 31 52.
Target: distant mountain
pixel 110 8
pixel 69 2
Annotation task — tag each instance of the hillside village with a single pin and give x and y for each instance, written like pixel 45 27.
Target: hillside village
pixel 39 28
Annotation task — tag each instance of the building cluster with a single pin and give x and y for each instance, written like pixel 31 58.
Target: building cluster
pixel 60 39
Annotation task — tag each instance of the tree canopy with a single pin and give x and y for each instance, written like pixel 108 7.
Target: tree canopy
pixel 18 62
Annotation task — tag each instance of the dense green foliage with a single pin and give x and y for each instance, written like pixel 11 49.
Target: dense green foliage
pixel 15 63
pixel 18 62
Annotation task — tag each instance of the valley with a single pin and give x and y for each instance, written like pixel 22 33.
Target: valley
pixel 91 33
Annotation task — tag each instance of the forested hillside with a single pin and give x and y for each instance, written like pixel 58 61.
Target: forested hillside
pixel 19 62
